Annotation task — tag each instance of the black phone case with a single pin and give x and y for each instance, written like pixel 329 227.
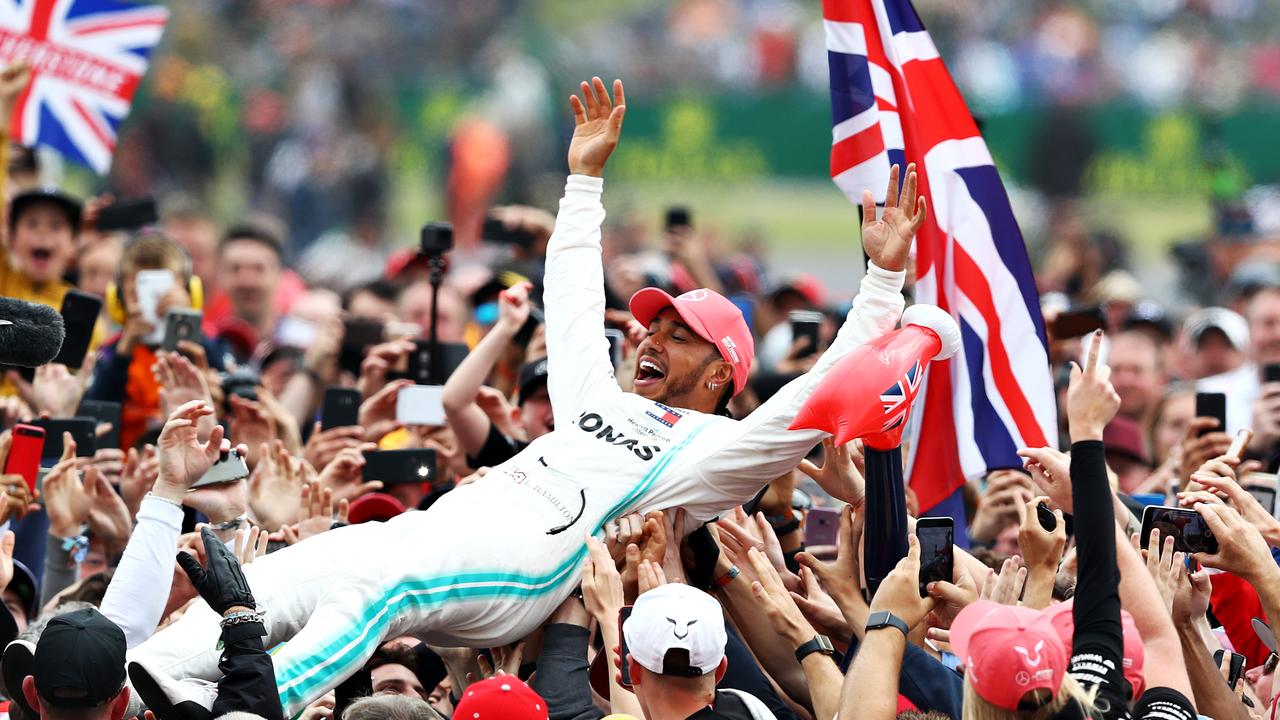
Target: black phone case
pixel 79 315
pixel 82 431
pixel 397 467
pixel 1212 405
pixel 182 325
pixel 103 411
pixel 341 408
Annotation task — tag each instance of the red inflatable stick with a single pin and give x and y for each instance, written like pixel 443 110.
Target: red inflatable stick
pixel 868 394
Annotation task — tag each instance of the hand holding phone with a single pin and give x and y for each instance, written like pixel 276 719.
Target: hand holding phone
pixel 1212 405
pixel 806 325
pixel 340 408
pixel 1191 534
pixel 25 450
pixel 421 405
pixel 937 556
pixel 79 315
pixel 181 324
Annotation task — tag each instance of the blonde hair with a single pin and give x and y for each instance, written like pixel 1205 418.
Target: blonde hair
pixel 976 708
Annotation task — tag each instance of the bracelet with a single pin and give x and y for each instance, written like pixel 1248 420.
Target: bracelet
pixel 162 499
pixel 728 577
pixel 241 618
pixel 231 524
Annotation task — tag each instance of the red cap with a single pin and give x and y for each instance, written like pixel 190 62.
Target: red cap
pixel 503 697
pixel 712 316
pixel 1008 651
pixel 374 506
pixel 1134 653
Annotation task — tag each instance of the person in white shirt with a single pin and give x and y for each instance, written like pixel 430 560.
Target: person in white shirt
pixel 491 560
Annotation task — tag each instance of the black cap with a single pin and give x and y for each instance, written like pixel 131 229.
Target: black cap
pixel 1148 313
pixel 79 661
pixel 69 205
pixel 24 585
pixel 532 377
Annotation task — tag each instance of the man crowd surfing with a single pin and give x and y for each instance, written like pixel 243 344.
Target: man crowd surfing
pixel 567 489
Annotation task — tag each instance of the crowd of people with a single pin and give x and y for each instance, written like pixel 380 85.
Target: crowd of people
pixel 608 515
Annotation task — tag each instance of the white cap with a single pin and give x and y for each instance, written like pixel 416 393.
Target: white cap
pixel 676 617
pixel 1235 327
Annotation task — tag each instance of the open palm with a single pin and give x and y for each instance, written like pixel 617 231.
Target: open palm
pixel 183 458
pixel 887 240
pixel 598 125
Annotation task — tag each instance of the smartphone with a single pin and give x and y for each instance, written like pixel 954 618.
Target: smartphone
pixel 616 340
pixel 1271 373
pixel 806 324
pixel 678 216
pixel 623 653
pixel 83 432
pixel 358 334
pixel 1190 532
pixel 1262 486
pixel 1049 521
pixel 103 411
pixel 230 467
pixel 182 324
pixel 397 467
pixel 340 408
pixel 821 526
pixel 1212 405
pixel 79 315
pixel 1077 323
pixel 421 405
pixel 1240 443
pixel 495 231
pixel 1235 671
pixel 420 370
pixel 149 287
pixel 936 536
pixel 127 215
pixel 25 453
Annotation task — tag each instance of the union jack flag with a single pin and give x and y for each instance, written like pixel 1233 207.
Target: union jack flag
pixel 893 101
pixel 87 58
pixel 897 399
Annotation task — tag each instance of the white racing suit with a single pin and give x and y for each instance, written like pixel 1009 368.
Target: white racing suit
pixel 490 561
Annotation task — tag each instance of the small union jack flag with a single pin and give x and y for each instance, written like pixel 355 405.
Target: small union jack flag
pixel 897 399
pixel 87 58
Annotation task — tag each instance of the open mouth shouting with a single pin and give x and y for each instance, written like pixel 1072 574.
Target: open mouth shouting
pixel 650 372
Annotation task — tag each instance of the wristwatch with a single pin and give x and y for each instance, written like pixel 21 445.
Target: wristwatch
pixel 819 644
pixel 884 619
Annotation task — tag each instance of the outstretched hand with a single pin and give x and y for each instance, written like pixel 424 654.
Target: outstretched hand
pixel 598 125
pixel 887 240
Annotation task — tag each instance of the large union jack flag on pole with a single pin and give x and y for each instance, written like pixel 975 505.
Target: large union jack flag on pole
pixel 87 58
pixel 893 101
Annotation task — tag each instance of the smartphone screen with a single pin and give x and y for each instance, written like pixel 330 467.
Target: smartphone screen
pixel 821 526
pixel 1265 495
pixel 25 453
pixel 615 339
pixel 421 405
pixel 79 315
pixel 341 408
pixel 936 553
pixel 806 324
pixel 1271 373
pixel 1190 532
pixel 623 653
pixel 1212 405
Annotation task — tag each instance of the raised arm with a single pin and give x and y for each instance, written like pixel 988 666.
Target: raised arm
pixel 577 353
pixel 745 456
pixel 468 421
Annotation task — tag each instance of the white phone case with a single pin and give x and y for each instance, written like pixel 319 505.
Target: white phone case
pixel 421 405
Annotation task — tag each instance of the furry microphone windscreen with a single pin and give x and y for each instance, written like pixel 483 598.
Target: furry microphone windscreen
pixel 30 334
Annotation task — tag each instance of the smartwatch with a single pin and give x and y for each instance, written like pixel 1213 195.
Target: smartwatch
pixel 884 619
pixel 819 644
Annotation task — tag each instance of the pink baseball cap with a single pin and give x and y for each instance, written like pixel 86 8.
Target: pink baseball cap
pixel 1064 623
pixel 709 314
pixel 1008 651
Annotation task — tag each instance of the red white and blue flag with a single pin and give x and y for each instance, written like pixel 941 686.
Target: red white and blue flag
pixel 87 58
pixel 893 101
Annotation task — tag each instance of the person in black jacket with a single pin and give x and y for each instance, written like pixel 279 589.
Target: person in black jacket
pixel 248 681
